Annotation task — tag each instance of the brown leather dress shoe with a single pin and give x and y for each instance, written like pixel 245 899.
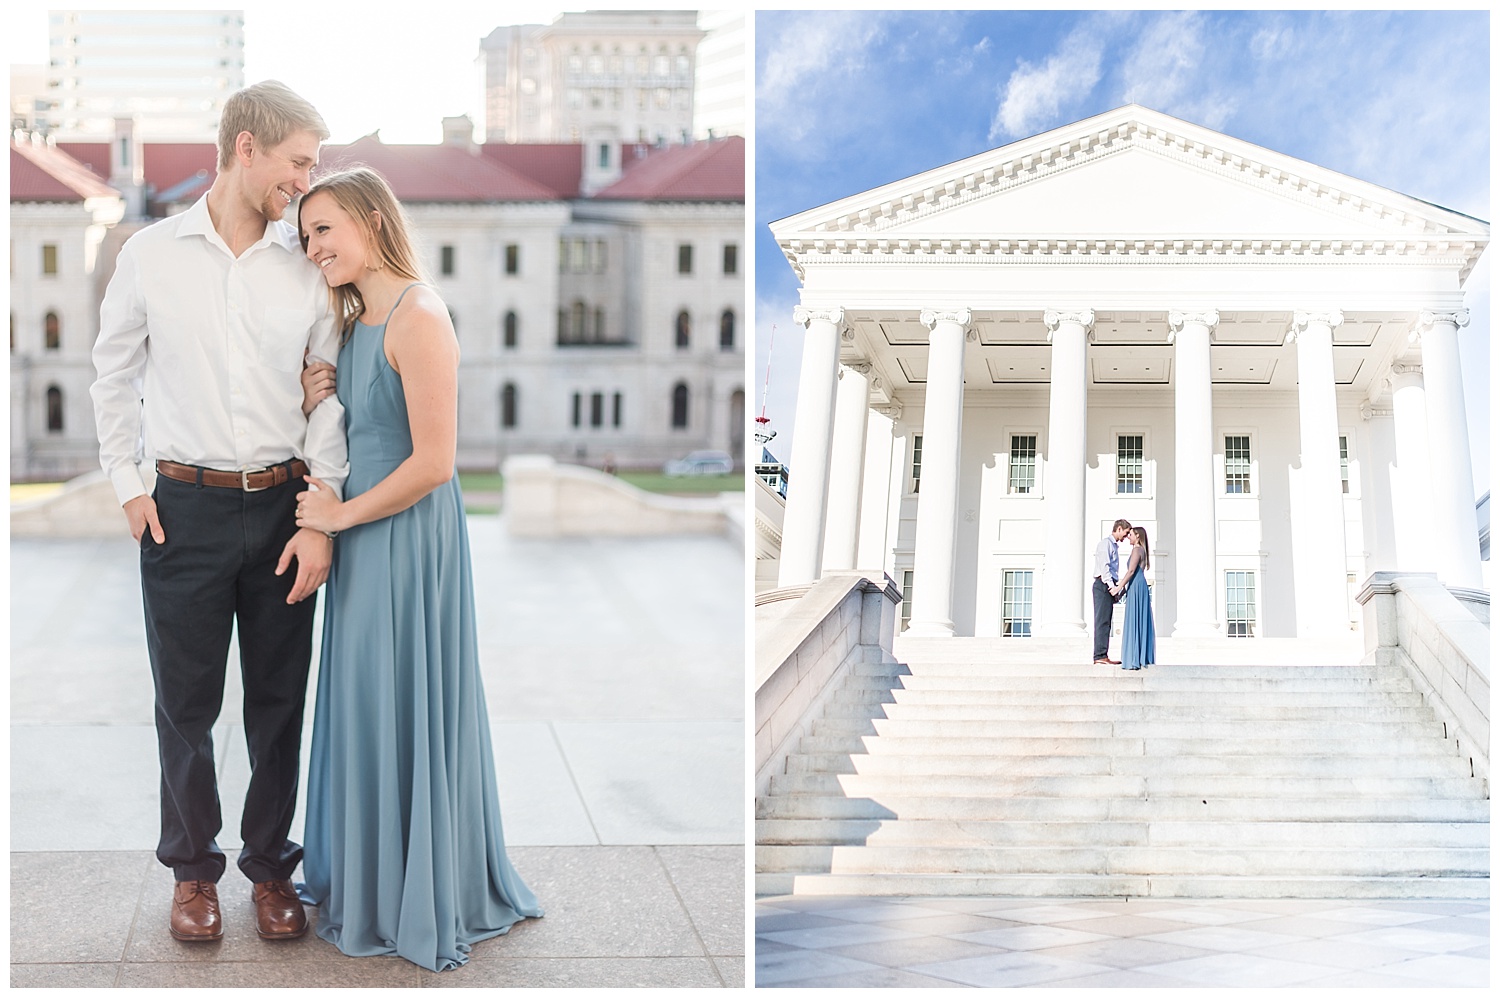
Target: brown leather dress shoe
pixel 195 912
pixel 278 912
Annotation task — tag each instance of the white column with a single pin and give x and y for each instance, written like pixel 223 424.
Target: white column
pixel 1377 466
pixel 1454 525
pixel 1061 612
pixel 846 467
pixel 1318 566
pixel 1194 527
pixel 937 502
pixel 807 486
pixel 1411 482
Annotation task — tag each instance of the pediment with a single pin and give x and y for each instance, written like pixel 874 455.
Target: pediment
pixel 1133 181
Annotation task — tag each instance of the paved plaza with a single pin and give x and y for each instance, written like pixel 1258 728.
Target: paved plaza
pixel 614 672
pixel 850 942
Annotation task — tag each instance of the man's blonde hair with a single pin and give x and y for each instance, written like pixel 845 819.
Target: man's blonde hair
pixel 270 111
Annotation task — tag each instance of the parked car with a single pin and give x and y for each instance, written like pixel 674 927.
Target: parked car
pixel 701 462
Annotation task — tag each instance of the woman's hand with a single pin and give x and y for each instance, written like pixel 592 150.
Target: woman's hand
pixel 319 508
pixel 318 383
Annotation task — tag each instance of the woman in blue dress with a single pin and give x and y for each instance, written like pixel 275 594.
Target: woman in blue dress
pixel 1138 647
pixel 404 853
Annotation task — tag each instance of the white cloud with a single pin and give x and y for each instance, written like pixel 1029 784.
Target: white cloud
pixel 1033 96
pixel 807 48
pixel 1165 71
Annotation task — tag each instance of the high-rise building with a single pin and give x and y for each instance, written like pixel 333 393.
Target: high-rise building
pixel 171 70
pixel 719 96
pixel 601 78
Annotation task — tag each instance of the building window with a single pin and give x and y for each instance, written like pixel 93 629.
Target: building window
pixel 596 410
pixel 1022 464
pixel 511 323
pixel 726 330
pixel 684 330
pixel 618 410
pixel 599 335
pixel 54 409
pixel 49 258
pixel 577 409
pixel 1344 463
pixel 512 258
pixel 905 600
pixel 580 320
pixel 447 261
pixel 1129 464
pixel 508 406
pixel 916 464
pixel 1239 604
pixel 731 258
pixel 1016 615
pixel 53 329
pixel 599 256
pixel 604 155
pixel 580 256
pixel 562 256
pixel 1236 465
pixel 684 258
pixel 680 406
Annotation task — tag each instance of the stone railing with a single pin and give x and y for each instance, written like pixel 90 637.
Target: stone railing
pixel 547 499
pixel 806 639
pixel 1413 621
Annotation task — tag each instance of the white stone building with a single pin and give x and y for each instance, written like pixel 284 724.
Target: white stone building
pixel 60 215
pixel 171 69
pixel 598 329
pixel 1132 316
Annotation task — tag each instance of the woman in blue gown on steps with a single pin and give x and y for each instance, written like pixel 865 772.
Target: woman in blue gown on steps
pixel 1138 647
pixel 404 853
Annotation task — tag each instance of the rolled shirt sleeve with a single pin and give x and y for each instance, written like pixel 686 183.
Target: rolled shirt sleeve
pixel 120 360
pixel 326 447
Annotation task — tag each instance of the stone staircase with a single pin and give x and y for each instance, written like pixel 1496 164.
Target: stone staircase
pixel 1001 768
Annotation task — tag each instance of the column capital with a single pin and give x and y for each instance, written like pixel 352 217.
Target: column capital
pixel 802 315
pixel 858 367
pixel 1302 320
pixel 1428 321
pixel 1204 317
pixel 1380 409
pixel 1055 317
pixel 930 317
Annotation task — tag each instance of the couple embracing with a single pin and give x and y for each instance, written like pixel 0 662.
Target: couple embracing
pixel 257 500
pixel 1138 645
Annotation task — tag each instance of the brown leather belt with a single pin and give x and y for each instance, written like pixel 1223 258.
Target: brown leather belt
pixel 245 481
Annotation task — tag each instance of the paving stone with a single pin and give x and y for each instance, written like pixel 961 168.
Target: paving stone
pixel 594 972
pixel 711 882
pixel 63 975
pixel 72 908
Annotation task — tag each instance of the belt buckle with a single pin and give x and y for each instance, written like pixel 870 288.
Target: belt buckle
pixel 245 481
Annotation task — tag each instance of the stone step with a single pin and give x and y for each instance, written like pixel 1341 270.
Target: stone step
pixel 1404 861
pixel 1224 653
pixel 852 723
pixel 956 669
pixel 1330 698
pixel 1153 747
pixel 953 807
pixel 1111 886
pixel 1203 787
pixel 998 707
pixel 1238 764
pixel 1113 679
pixel 1223 834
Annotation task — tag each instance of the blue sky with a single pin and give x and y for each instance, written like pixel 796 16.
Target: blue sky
pixel 848 100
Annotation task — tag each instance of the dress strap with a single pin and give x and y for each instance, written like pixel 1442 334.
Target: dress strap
pixel 397 302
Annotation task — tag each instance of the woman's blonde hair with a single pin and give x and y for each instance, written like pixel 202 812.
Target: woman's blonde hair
pixel 270 111
pixel 365 195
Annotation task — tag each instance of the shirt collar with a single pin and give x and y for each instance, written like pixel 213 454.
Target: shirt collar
pixel 196 221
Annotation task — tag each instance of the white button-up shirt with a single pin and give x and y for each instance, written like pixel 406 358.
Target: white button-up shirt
pixel 200 354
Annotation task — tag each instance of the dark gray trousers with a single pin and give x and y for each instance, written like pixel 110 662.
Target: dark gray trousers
pixel 1104 613
pixel 215 570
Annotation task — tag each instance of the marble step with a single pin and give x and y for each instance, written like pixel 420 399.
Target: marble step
pixel 1239 764
pixel 859 785
pixel 999 707
pixel 1180 860
pixel 949 725
pixel 1327 698
pixel 1472 806
pixel 958 668
pixel 1146 680
pixel 1105 886
pixel 1222 834
pixel 1151 747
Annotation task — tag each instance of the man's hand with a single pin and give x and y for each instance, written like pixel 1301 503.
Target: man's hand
pixel 140 513
pixel 313 550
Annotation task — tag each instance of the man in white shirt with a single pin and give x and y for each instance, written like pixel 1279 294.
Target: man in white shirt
pixel 202 335
pixel 1106 575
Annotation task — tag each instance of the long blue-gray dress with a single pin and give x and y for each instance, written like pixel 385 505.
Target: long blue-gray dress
pixel 1138 644
pixel 404 850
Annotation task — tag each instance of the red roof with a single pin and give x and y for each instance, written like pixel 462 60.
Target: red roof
pixel 46 173
pixel 558 167
pixel 703 171
pixel 437 173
